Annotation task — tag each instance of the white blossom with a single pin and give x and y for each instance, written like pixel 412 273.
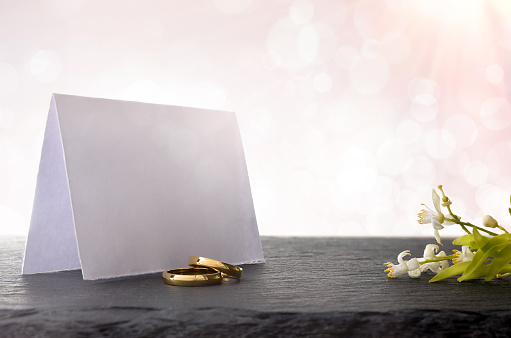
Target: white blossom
pixel 435 217
pixel 412 267
pixel 464 255
pixel 430 252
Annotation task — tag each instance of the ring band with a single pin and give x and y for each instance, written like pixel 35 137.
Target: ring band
pixel 192 277
pixel 227 270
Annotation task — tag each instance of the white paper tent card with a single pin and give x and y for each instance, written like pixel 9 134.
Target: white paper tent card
pixel 127 188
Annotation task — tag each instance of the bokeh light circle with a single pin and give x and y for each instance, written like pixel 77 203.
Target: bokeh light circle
pixel 301 12
pixel 371 49
pixel 308 43
pixel 408 131
pixel 407 201
pixel 392 157
pixel 322 82
pixel 8 80
pixel 494 74
pixel 421 85
pixel 327 42
pixel 492 199
pixel 283 39
pixel 457 163
pixel 342 116
pixel 476 173
pixel 440 143
pixel 424 107
pixel 497 164
pixel 396 49
pixel 496 113
pixel 419 173
pixel 473 89
pixel 463 128
pixel 347 57
pixel 370 76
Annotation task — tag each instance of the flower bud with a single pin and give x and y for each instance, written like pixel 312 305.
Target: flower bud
pixel 490 222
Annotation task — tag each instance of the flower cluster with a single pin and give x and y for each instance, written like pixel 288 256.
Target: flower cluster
pixel 486 256
pixel 415 266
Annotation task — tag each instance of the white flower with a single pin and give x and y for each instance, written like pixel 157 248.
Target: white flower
pixel 436 218
pixel 490 222
pixel 412 266
pixel 464 255
pixel 430 253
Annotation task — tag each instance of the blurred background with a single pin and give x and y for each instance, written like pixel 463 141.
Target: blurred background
pixel 350 111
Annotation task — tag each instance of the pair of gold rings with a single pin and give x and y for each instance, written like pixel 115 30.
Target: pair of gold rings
pixel 203 272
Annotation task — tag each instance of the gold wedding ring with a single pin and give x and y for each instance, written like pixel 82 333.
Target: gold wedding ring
pixel 227 270
pixel 192 277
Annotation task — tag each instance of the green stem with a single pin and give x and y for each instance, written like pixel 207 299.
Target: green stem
pixel 502 228
pixel 479 228
pixel 463 224
pixel 465 228
pixel 439 259
pixel 457 220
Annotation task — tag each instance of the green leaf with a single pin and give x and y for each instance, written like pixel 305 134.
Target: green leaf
pixel 492 246
pixel 510 211
pixel 480 239
pixel 451 271
pixel 473 246
pixel 479 272
pixel 506 269
pixel 468 240
pixel 500 261
pixel 497 241
pixel 476 262
pixel 464 240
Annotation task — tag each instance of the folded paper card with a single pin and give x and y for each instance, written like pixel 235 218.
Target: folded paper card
pixel 127 188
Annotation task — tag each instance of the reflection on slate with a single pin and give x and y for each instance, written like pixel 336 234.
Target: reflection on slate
pixel 320 286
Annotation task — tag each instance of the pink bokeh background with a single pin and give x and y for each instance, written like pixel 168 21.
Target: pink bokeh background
pixel 350 111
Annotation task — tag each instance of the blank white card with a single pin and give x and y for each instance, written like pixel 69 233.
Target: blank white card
pixel 128 188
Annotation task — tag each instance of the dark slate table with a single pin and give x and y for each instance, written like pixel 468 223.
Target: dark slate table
pixel 308 286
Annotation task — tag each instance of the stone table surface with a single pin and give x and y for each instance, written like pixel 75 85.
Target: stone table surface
pixel 307 286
